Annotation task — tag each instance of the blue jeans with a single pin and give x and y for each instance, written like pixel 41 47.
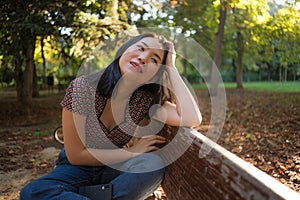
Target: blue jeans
pixel 65 179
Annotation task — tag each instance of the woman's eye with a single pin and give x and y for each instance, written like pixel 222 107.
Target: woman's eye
pixel 141 48
pixel 154 60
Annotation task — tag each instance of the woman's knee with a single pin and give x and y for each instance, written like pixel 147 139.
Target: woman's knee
pixel 155 164
pixel 41 189
pixel 28 192
pixel 144 163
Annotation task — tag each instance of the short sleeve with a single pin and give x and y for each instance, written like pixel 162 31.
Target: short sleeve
pixel 79 97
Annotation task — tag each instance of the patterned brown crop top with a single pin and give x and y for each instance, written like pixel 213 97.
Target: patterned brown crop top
pixel 81 98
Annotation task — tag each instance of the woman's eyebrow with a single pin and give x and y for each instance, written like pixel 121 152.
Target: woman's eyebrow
pixel 155 54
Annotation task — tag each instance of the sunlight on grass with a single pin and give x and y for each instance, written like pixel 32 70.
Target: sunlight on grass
pixel 269 86
pixel 262 86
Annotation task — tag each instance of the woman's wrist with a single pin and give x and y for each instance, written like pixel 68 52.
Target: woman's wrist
pixel 129 153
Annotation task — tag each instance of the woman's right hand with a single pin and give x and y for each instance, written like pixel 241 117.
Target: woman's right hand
pixel 171 57
pixel 147 144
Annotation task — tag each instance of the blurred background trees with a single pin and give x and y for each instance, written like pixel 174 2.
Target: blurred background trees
pixel 44 38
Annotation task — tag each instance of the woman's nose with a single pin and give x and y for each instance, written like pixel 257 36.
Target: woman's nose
pixel 141 60
pixel 143 57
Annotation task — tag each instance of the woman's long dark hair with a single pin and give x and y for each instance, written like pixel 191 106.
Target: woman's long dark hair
pixel 112 74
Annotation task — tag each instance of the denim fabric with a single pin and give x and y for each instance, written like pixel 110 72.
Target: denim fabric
pixel 65 179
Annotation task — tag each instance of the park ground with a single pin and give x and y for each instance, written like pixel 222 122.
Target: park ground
pixel 262 128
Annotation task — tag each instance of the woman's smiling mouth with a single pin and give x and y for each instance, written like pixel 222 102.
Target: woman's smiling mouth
pixel 136 67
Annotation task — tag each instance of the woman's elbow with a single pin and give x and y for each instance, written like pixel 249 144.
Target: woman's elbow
pixel 74 158
pixel 191 123
pixel 195 121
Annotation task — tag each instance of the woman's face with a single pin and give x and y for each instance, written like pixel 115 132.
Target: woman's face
pixel 142 60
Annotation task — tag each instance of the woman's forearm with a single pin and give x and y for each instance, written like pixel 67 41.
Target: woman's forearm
pixel 99 157
pixel 186 109
pixel 186 106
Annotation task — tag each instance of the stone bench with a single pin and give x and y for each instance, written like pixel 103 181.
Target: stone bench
pixel 208 171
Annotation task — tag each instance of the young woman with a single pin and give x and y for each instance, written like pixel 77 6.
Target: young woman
pixel 102 112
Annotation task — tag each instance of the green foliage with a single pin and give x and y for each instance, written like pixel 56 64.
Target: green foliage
pixel 6 75
pixel 269 31
pixel 198 20
pixel 70 30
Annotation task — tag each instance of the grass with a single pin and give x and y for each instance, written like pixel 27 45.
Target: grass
pixel 262 86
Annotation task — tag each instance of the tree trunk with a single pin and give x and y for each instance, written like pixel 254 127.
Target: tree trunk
pixel 26 102
pixel 233 79
pixel 215 75
pixel 285 73
pixel 18 62
pixel 35 83
pixel 44 63
pixel 18 76
pixel 239 49
pixel 201 78
pixel 185 63
pixel 269 71
pixel 259 73
pixel 280 74
pixel 239 65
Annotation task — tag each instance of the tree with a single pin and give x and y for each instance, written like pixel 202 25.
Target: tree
pixel 239 63
pixel 276 36
pixel 25 21
pixel 218 49
pixel 190 18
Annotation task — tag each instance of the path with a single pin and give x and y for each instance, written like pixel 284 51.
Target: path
pixel 261 128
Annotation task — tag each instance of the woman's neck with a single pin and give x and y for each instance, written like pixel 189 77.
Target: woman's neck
pixel 124 89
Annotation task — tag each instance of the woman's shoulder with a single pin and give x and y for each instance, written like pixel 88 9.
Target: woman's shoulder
pixel 80 80
pixel 79 96
pixel 82 83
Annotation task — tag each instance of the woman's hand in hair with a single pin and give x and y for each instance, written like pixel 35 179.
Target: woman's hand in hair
pixel 171 57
